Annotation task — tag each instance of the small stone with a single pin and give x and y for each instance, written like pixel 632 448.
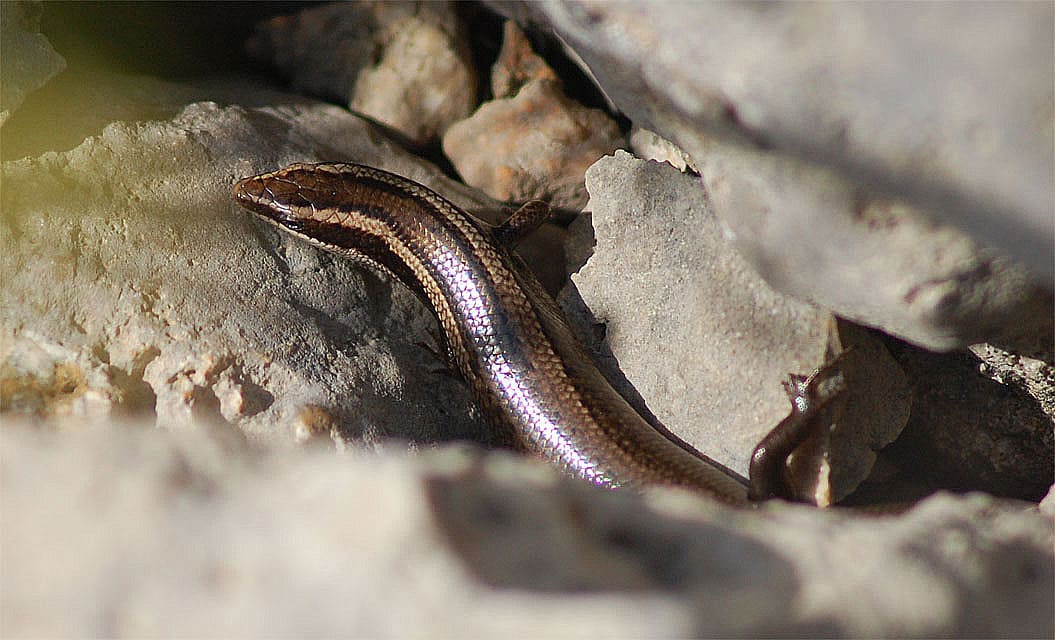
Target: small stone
pixel 423 83
pixel 517 63
pixel 314 424
pixel 651 146
pixel 534 145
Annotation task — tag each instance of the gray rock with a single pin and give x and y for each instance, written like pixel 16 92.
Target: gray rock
pixel 405 65
pixel 874 261
pixel 821 160
pixel 705 341
pixel 28 60
pixel 646 144
pixel 195 534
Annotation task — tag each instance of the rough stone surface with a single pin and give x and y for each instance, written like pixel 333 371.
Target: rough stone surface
pixel 815 154
pixel 27 60
pixel 535 143
pixel 970 431
pixel 405 65
pixel 1032 372
pixel 705 341
pixel 166 298
pixel 869 415
pixel 192 534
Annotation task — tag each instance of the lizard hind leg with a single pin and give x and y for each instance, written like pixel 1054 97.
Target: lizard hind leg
pixel 811 397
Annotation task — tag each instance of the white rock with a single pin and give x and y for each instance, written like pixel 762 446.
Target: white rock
pixel 128 257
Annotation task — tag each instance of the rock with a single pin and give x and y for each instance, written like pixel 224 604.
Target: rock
pixel 193 533
pixel 705 342
pixel 405 65
pixel 649 146
pixel 28 59
pixel 517 64
pixel 535 144
pixel 165 298
pixel 877 262
pixel 1030 371
pixel 870 414
pixel 1047 505
pixel 821 161
pixel 968 431
pixel 136 294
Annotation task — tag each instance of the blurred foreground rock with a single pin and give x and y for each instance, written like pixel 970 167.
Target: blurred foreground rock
pixel 193 534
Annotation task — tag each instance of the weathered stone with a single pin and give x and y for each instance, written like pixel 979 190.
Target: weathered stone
pixel 1031 371
pixel 517 63
pixel 877 262
pixel 646 144
pixel 164 297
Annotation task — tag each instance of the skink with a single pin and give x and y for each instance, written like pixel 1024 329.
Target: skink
pixel 503 333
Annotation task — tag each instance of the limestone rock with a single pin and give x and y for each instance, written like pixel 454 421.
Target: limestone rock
pixel 136 285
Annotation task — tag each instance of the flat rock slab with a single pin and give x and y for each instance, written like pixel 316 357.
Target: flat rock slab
pixel 705 341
